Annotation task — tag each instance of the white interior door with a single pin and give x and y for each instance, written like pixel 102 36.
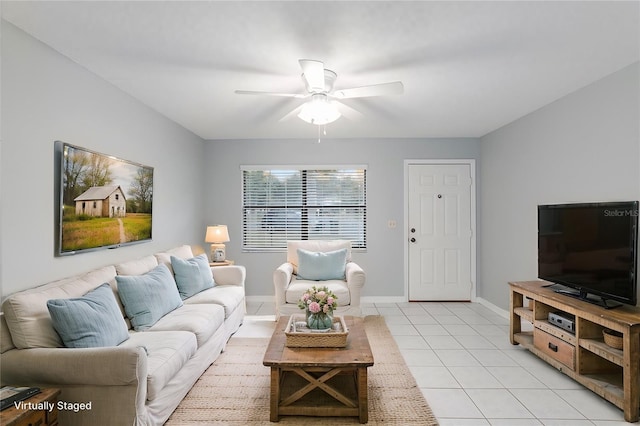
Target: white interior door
pixel 440 232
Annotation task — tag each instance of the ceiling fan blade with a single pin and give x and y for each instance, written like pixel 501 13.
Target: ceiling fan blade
pixel 287 95
pixel 292 114
pixel 347 111
pixel 313 72
pixel 394 88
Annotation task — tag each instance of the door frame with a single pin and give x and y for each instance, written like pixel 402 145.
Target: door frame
pixel 472 165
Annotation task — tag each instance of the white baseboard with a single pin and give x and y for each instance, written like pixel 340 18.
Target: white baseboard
pixel 498 310
pixel 260 299
pixel 383 299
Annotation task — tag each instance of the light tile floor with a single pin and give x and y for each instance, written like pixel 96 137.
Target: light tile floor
pixel 461 358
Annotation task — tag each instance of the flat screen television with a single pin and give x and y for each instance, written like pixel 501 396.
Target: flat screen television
pixel 591 249
pixel 102 201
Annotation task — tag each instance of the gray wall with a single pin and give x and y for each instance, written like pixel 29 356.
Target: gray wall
pixel 45 97
pixel 383 260
pixel 583 147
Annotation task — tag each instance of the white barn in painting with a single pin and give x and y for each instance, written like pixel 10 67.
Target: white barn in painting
pixel 102 201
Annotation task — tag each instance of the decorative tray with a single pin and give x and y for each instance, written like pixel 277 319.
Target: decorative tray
pixel 300 336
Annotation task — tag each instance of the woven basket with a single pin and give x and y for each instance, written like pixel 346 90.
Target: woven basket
pixel 303 338
pixel 612 338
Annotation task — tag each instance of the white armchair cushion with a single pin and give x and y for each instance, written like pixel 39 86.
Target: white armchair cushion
pixel 297 288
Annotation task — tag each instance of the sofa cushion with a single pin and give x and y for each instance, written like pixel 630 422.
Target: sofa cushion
pixel 181 252
pixel 133 267
pixel 167 353
pixel 6 344
pixel 138 266
pixel 227 296
pixel 320 266
pixel 91 321
pixel 297 288
pixel 192 275
pixel 201 320
pixel 27 315
pixel 149 297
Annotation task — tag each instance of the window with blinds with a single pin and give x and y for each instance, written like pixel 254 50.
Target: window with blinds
pixel 303 204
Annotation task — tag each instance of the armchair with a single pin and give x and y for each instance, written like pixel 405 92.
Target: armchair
pixel 289 288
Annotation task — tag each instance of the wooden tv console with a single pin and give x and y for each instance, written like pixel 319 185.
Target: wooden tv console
pixel 614 374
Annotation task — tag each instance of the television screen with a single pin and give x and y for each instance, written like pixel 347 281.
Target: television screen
pixel 591 248
pixel 103 201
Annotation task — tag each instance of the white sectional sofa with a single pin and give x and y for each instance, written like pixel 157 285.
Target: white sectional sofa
pixel 139 381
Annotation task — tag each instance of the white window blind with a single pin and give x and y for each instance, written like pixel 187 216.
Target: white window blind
pixel 303 204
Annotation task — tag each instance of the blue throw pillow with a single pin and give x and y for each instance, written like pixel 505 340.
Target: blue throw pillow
pixel 192 275
pixel 320 266
pixel 91 321
pixel 149 297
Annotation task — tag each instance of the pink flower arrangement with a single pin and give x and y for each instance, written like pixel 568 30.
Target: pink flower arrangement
pixel 316 300
pixel 314 307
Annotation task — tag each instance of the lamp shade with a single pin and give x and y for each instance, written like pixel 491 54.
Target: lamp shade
pixel 217 234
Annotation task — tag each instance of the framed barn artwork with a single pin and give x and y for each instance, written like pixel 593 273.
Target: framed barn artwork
pixel 102 201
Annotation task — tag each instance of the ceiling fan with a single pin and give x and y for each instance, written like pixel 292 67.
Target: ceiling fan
pixel 324 107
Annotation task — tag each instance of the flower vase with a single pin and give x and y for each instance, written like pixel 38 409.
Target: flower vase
pixel 320 321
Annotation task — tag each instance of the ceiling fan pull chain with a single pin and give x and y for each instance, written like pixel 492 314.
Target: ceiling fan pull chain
pixel 324 131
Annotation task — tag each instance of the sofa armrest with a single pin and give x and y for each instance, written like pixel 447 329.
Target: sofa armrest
pixel 281 279
pixel 112 366
pixel 355 281
pixel 229 275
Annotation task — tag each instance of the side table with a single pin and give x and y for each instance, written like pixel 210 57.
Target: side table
pixel 223 263
pixel 13 416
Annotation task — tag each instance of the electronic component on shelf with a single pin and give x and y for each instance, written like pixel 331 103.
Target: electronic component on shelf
pixel 563 320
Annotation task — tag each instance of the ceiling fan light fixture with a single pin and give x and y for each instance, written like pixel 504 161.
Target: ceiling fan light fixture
pixel 319 110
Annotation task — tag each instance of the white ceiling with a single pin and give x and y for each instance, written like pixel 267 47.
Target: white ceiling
pixel 468 67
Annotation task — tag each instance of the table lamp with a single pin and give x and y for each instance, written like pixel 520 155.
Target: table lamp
pixel 217 235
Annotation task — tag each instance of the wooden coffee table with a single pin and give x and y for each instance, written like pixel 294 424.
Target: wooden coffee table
pixel 320 381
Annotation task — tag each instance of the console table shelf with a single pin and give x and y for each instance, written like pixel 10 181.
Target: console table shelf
pixel 524 313
pixel 612 373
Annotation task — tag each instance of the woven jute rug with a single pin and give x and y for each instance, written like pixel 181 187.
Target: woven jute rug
pixel 235 389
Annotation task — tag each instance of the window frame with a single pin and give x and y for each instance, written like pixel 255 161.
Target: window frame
pixel 304 206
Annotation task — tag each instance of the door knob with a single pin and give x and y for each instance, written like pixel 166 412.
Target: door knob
pixel 413 230
pixel 439 195
pixel 413 240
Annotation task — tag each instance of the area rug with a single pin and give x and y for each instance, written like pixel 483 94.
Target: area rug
pixel 235 389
